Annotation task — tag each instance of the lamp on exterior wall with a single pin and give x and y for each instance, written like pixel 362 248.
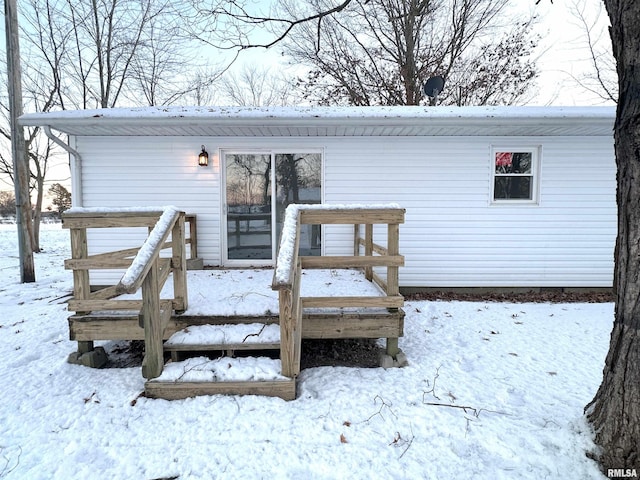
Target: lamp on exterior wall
pixel 203 158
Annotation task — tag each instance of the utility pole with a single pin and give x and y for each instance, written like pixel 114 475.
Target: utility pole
pixel 18 147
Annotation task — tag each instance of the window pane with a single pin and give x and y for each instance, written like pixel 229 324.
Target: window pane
pixel 513 162
pixel 249 206
pixel 298 180
pixel 518 188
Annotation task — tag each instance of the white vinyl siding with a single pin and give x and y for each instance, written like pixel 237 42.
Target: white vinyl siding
pixel 134 171
pixel 453 236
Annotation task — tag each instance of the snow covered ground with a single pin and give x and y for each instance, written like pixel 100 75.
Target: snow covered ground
pixel 492 391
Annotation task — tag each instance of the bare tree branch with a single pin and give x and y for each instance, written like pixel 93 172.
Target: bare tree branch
pixel 601 81
pixel 235 11
pixel 382 52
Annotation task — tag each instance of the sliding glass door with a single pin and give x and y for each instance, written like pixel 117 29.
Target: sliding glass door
pixel 248 202
pixel 258 188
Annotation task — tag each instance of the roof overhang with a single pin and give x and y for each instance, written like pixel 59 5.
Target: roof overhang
pixel 329 121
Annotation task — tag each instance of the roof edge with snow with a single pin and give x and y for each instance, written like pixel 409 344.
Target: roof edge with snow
pixel 328 121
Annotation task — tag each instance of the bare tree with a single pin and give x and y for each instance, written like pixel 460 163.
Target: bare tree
pixel 257 86
pixel 97 53
pixel 499 73
pixel 168 66
pixel 381 52
pixel 366 52
pixel 42 91
pixel 39 164
pixel 601 79
pixel 107 36
pixel 61 197
pixel 7 204
pixel 200 90
pixel 614 412
pixel 40 157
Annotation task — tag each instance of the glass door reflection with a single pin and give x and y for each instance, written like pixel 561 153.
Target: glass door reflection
pixel 298 180
pixel 248 200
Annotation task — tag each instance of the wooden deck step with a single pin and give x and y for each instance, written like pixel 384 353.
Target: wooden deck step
pixel 250 336
pixel 222 376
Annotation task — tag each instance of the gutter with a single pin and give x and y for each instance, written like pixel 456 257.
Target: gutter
pixel 76 171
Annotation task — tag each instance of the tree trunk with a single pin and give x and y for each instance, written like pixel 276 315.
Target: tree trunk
pixel 37 213
pixel 38 186
pixel 615 410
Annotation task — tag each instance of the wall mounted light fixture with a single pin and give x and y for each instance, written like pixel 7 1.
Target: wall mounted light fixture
pixel 203 158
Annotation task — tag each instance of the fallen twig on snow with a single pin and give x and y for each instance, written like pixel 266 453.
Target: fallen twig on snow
pixel 254 334
pixel 384 404
pixel 465 408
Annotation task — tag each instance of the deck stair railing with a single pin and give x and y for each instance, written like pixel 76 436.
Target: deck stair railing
pixel 146 270
pixel 379 315
pixel 289 265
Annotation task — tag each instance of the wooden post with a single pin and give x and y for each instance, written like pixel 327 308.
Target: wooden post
pixel 393 248
pixel 356 240
pixel 290 307
pixel 179 265
pixel 368 249
pixel 291 326
pixel 193 236
pixel 297 326
pixel 81 283
pixel 151 318
pixel 285 300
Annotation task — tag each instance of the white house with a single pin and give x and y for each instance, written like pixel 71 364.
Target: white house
pixel 494 196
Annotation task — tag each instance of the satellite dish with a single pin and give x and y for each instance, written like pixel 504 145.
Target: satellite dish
pixel 433 86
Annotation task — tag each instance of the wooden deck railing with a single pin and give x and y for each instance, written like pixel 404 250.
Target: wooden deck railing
pixel 146 269
pixel 287 274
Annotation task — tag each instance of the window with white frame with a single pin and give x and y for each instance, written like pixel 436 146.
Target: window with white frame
pixel 515 174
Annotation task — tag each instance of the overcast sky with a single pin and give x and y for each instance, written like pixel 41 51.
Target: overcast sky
pixel 564 52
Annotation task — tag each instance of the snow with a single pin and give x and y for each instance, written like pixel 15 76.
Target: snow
pixel 202 369
pixel 147 249
pixel 190 113
pixel 287 247
pixel 249 333
pixel 522 372
pixel 249 293
pixel 118 209
pixel 329 121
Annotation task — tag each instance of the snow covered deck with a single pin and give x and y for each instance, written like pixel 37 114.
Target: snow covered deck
pixel 236 293
pixel 218 296
pixel 218 310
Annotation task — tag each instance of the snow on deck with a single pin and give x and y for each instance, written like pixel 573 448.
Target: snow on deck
pixel 248 292
pixel 243 333
pixel 203 369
